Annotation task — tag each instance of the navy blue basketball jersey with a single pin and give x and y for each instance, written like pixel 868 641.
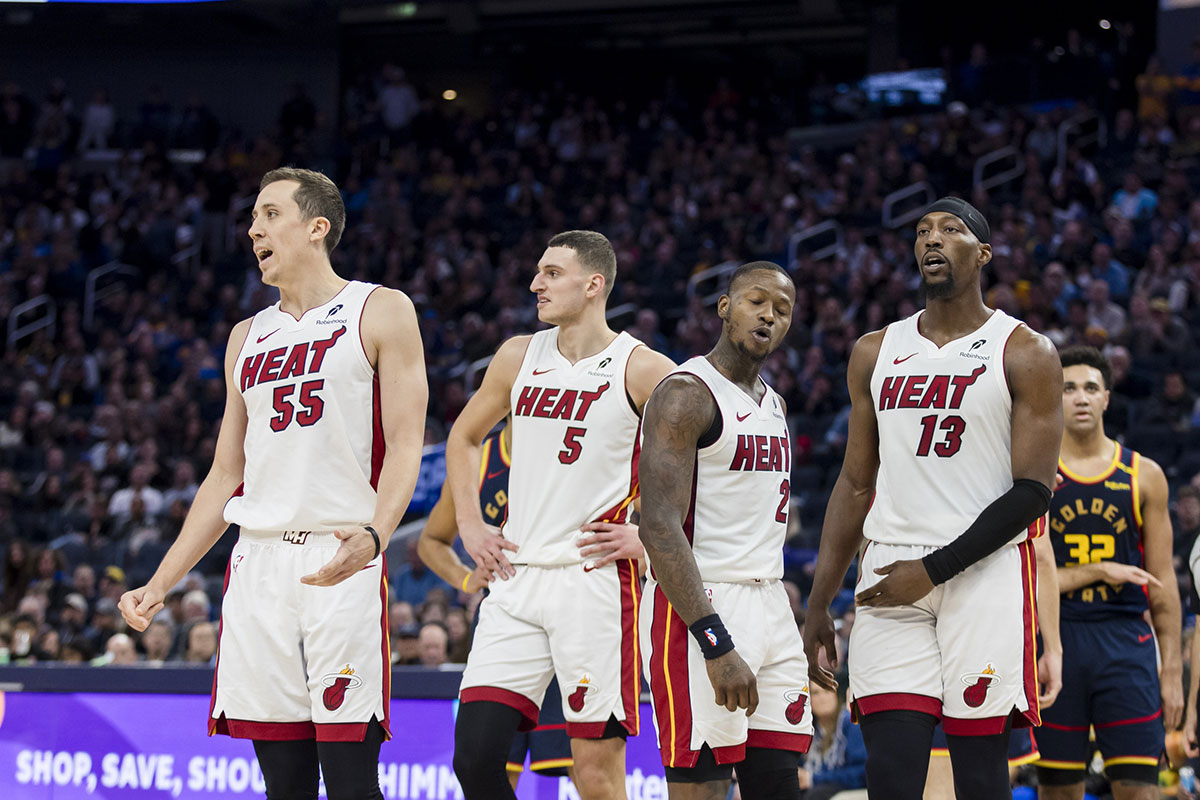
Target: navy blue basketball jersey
pixel 1098 518
pixel 493 479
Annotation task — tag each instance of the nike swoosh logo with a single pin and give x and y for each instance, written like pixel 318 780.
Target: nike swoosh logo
pixel 542 371
pixel 1145 637
pixel 261 339
pixel 495 474
pixel 742 417
pixel 588 567
pixel 902 360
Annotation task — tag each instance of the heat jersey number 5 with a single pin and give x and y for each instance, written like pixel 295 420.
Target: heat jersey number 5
pixel 953 426
pixel 312 406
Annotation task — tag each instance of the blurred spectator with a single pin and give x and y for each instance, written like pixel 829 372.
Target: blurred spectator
pixel 121 504
pixel 412 581
pixel 200 643
pixel 119 651
pixel 1172 405
pixel 196 606
pixel 1133 200
pixel 157 640
pixel 837 757
pixel 405 649
pixel 99 122
pixel 433 644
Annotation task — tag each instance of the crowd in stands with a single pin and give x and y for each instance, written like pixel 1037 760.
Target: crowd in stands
pixel 108 418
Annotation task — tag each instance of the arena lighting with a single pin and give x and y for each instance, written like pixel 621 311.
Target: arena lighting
pixel 449 94
pixel 1105 24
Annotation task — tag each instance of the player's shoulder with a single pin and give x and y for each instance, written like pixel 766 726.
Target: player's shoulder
pixel 1150 473
pixel 866 351
pixel 384 303
pixel 647 367
pixel 682 397
pixel 237 337
pixel 1024 342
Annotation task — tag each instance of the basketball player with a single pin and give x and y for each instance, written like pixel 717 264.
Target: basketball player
pixel 316 461
pixel 955 419
pixel 548 746
pixel 575 392
pixel 716 456
pixel 1022 746
pixel 1113 544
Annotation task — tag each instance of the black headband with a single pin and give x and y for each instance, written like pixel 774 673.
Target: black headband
pixel 968 213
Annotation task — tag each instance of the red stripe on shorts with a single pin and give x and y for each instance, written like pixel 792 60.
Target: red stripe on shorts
pixel 495 694
pixel 387 654
pixel 631 658
pixel 669 684
pixel 378 445
pixel 779 740
pixel 1032 716
pixel 985 726
pixel 897 701
pixel 620 512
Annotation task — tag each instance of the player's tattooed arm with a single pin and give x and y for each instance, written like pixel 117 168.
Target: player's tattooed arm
pixel 841 535
pixel 676 416
pixel 679 412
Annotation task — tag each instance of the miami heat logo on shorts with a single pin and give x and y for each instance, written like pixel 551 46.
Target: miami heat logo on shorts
pixel 336 686
pixel 582 690
pixel 796 700
pixel 977 684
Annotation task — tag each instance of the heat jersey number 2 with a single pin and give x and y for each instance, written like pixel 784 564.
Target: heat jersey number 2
pixel 952 426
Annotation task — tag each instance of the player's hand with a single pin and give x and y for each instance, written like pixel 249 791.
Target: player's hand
pixel 357 549
pixel 1191 741
pixel 1172 700
pixel 1049 678
pixel 904 583
pixel 478 580
pixel 610 541
pixel 819 634
pixel 1116 574
pixel 486 546
pixel 138 606
pixel 733 682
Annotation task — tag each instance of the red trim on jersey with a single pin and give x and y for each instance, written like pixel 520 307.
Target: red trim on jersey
pixel 729 754
pixel 620 512
pixel 896 701
pixel 631 658
pixel 689 522
pixel 217 725
pixel 1032 715
pixel 386 722
pixel 362 313
pixel 779 740
pixel 494 694
pixel 984 726
pixel 268 731
pixel 669 684
pixel 377 444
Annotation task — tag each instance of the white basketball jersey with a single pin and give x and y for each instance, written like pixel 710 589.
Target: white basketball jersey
pixel 574 448
pixel 314 445
pixel 945 432
pixel 738 518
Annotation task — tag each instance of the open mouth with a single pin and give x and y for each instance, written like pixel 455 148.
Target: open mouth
pixel 761 334
pixel 933 261
pixel 262 254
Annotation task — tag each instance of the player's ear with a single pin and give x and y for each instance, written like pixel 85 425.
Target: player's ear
pixel 318 228
pixel 723 307
pixel 985 255
pixel 595 285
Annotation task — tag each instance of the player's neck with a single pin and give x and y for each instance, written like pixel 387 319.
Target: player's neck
pixel 950 318
pixel 1086 446
pixel 739 370
pixel 313 287
pixel 584 337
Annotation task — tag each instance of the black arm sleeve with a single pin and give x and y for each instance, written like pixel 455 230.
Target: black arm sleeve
pixel 1012 511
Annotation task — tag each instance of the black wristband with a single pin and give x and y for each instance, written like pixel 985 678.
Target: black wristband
pixel 374 536
pixel 710 633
